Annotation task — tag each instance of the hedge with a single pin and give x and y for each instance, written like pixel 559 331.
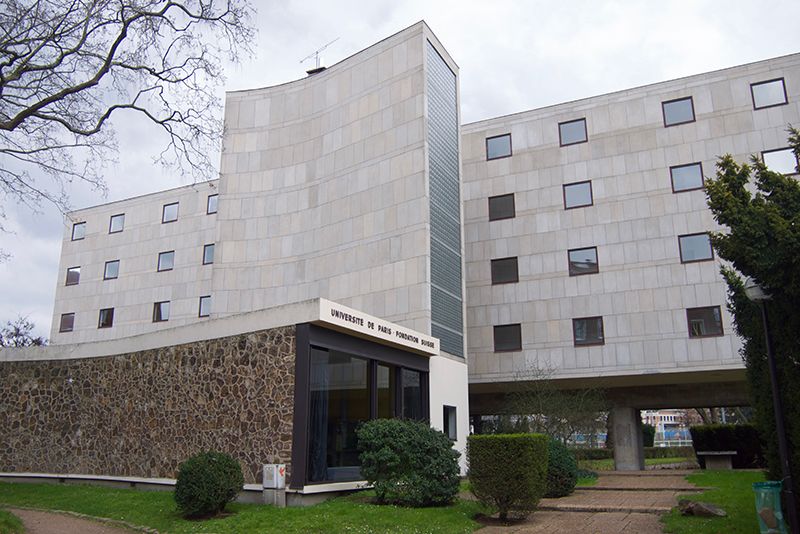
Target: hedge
pixel 508 472
pixel 562 470
pixel 740 438
pixel 649 452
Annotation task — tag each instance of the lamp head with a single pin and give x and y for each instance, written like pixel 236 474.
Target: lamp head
pixel 754 291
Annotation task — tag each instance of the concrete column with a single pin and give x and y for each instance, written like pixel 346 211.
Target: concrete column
pixel 628 444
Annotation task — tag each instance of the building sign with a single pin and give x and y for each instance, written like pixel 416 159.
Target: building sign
pixel 354 321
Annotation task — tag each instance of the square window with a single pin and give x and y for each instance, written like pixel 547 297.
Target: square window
pixel 578 195
pixel 769 93
pixel 450 422
pixel 161 311
pixel 166 260
pixel 501 207
pixel 169 213
pixel 211 204
pixel 505 271
pixel 73 276
pixel 686 177
pixel 781 160
pixel 705 321
pixel 695 247
pixel 498 146
pixel 67 322
pixel 111 270
pixel 507 337
pixel 582 261
pixel 205 306
pixel 208 254
pixel 78 231
pixel 679 111
pixel 116 223
pixel 106 319
pixel 588 331
pixel 572 132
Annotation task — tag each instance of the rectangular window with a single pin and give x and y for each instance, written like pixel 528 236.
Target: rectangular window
pixel 161 311
pixel 412 394
pixel 505 271
pixel 386 388
pixel 205 306
pixel 501 207
pixel 587 331
pixel 686 177
pixel 695 247
pixel 507 337
pixel 769 93
pixel 169 213
pixel 578 195
pixel 166 260
pixel 73 276
pixel 498 146
pixel 781 160
pixel 582 261
pixel 208 254
pixel 111 270
pixel 572 132
pixel 705 321
pixel 67 322
pixel 78 231
pixel 106 318
pixel 211 204
pixel 116 223
pixel 679 111
pixel 450 422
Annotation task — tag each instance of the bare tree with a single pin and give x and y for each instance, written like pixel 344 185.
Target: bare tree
pixel 19 333
pixel 68 66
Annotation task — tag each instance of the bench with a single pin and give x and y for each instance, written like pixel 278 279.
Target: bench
pixel 718 459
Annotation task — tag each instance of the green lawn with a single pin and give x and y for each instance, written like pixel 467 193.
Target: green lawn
pixel 157 510
pixel 10 524
pixel 586 481
pixel 608 464
pixel 733 492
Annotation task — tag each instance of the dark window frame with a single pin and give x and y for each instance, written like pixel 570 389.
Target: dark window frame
pixel 204 253
pixel 200 306
pixel 61 322
pixel 105 270
pixel 564 194
pixel 689 324
pixel 494 337
pixel 156 307
pixel 66 281
pixel 513 207
pixel 664 112
pixel 100 318
pixel 796 162
pixel 561 142
pixel 74 226
pixel 111 222
pixel 510 146
pixel 450 432
pixel 208 204
pixel 158 261
pixel 516 270
pixel 702 177
pixel 785 94
pixel 576 343
pixel 680 248
pixel 164 212
pixel 569 261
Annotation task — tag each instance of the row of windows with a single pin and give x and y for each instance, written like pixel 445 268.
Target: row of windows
pixel 166 262
pixel 705 321
pixel 692 247
pixel 105 318
pixel 678 111
pixel 116 223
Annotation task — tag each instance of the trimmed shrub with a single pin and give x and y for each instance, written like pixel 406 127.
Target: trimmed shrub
pixel 562 470
pixel 593 454
pixel 740 438
pixel 206 483
pixel 648 435
pixel 508 472
pixel 408 462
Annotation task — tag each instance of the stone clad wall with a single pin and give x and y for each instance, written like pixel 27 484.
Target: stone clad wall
pixel 141 414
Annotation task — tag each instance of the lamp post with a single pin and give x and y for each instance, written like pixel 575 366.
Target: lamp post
pixel 757 294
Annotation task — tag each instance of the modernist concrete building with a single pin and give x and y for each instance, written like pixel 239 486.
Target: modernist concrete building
pixel 582 251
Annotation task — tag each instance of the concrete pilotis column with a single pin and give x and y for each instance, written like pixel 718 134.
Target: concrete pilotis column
pixel 628 444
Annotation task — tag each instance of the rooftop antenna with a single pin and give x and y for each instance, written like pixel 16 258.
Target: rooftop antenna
pixel 317 57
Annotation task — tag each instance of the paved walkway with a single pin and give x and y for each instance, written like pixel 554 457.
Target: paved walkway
pixel 37 522
pixel 626 502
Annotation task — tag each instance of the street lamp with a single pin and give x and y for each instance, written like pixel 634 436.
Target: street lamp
pixel 757 294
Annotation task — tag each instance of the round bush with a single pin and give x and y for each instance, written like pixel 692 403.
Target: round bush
pixel 562 470
pixel 206 483
pixel 408 462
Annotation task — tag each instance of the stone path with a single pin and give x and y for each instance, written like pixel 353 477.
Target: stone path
pixel 37 522
pixel 628 502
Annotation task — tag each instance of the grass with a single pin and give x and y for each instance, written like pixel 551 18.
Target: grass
pixel 157 510
pixel 733 491
pixel 608 464
pixel 10 524
pixel 586 481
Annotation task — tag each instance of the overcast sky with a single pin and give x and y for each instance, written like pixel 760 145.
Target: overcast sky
pixel 512 56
